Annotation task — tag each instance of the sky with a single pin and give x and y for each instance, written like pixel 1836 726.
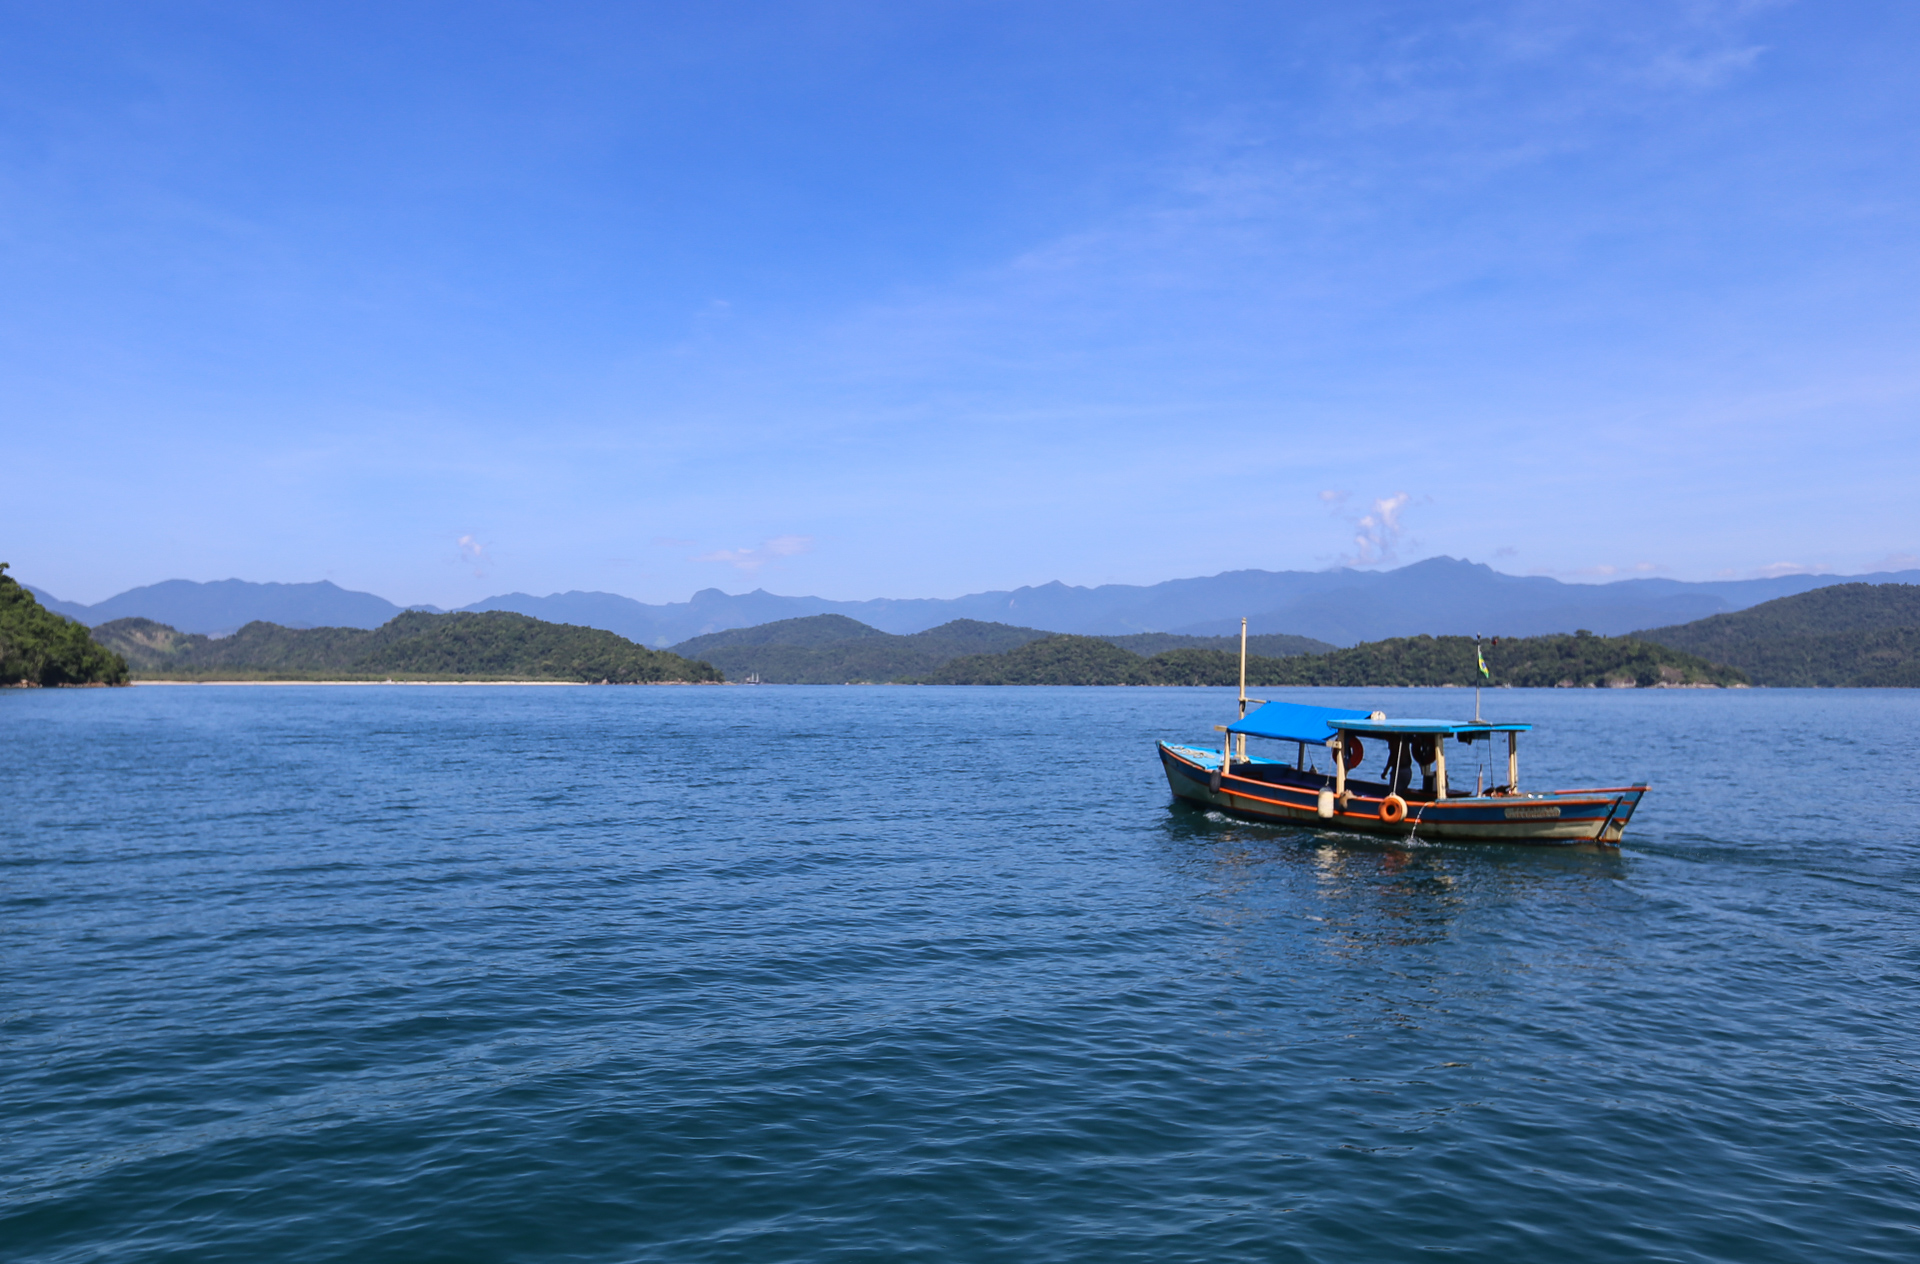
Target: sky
pixel 863 300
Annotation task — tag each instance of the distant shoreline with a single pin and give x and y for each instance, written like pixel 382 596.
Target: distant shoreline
pixel 581 684
pixel 564 684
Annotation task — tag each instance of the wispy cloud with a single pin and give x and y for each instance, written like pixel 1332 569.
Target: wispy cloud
pixel 751 560
pixel 1778 569
pixel 1376 533
pixel 1694 46
pixel 1602 571
pixel 474 554
pixel 1701 69
pixel 705 326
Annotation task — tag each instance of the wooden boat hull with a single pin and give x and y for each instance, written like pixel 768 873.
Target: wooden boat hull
pixel 1562 817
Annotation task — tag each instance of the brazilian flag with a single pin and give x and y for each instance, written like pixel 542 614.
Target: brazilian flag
pixel 1482 658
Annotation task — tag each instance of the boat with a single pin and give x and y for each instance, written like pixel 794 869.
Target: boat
pixel 1346 798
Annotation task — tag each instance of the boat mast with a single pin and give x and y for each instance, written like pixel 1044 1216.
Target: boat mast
pixel 1243 669
pixel 1243 685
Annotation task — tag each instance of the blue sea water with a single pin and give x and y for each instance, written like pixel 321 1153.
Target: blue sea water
pixel 476 974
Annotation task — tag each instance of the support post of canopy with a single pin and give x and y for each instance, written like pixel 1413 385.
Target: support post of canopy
pixel 1340 766
pixel 1440 763
pixel 1300 760
pixel 1513 763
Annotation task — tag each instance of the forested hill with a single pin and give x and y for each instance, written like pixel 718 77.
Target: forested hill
pixel 1267 645
pixel 831 649
pixel 1580 660
pixel 1859 635
pixel 412 646
pixel 39 647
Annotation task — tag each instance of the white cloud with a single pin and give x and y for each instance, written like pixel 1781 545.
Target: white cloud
pixel 1700 69
pixel 1604 571
pixel 751 560
pixel 1777 569
pixel 1376 534
pixel 705 326
pixel 474 554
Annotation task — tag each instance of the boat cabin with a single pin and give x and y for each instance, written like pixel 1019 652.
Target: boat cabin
pixel 1415 763
pixel 1331 781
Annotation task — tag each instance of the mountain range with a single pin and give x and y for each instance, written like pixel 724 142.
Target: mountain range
pixel 1438 596
pixel 227 605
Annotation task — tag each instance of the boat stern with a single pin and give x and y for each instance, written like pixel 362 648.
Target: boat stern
pixel 1192 772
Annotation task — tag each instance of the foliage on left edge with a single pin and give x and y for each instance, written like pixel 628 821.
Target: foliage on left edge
pixel 39 647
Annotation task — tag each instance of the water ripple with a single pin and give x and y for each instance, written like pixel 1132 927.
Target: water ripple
pixel 838 974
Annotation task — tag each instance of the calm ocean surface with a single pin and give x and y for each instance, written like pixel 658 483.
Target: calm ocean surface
pixel 476 974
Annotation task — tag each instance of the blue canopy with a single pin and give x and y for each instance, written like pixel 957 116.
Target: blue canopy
pixel 1468 729
pixel 1292 722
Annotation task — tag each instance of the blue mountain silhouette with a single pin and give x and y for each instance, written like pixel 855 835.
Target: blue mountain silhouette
pixel 1441 595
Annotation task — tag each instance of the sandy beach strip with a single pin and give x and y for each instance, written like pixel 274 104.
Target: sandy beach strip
pixel 563 684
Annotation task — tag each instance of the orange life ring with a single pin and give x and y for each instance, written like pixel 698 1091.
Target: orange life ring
pixel 1424 750
pixel 1393 809
pixel 1352 752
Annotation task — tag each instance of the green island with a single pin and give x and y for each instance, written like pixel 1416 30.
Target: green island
pixel 1846 636
pixel 39 648
pixel 415 646
pixel 1566 661
pixel 831 649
